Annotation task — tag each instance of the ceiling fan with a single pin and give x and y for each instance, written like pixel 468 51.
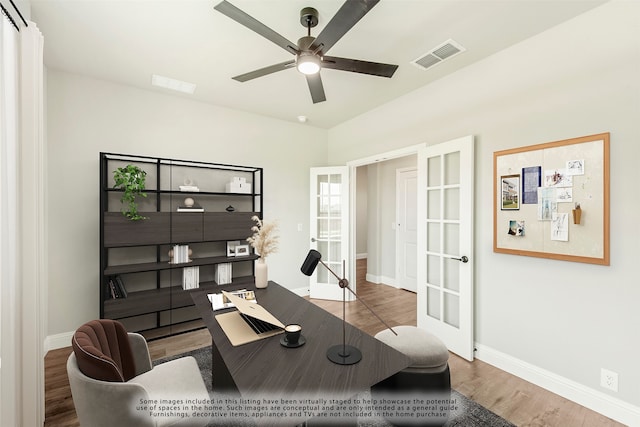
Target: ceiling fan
pixel 310 52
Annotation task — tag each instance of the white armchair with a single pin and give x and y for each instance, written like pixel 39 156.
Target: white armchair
pixel 113 382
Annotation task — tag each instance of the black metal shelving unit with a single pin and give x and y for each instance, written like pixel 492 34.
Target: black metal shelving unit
pixel 137 251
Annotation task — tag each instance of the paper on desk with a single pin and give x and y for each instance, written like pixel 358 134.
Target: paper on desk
pixel 219 301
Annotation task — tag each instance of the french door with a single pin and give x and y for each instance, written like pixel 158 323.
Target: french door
pixel 445 243
pixel 329 230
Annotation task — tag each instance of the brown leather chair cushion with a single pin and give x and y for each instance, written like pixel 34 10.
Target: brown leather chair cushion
pixel 103 351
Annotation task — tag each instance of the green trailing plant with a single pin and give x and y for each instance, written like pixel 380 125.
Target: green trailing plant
pixel 131 179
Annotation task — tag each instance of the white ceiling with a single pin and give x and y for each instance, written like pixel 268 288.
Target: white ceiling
pixel 128 41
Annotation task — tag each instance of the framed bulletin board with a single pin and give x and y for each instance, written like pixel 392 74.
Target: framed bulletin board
pixel 552 200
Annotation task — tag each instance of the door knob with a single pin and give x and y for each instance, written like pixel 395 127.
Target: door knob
pixel 313 239
pixel 463 259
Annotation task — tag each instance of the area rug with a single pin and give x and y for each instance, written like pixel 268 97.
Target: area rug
pixel 467 413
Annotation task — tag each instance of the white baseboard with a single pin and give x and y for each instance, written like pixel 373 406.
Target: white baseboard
pixel 54 342
pixel 381 279
pixel 362 256
pixel 595 400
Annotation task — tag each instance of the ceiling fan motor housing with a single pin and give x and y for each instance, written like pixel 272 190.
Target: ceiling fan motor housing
pixel 309 17
pixel 305 42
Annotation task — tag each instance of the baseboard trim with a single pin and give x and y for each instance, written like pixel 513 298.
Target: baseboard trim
pixel 595 400
pixel 54 342
pixel 381 279
pixel 362 255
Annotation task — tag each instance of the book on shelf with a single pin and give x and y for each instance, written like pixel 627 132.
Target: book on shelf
pixel 179 254
pixel 116 289
pixel 189 188
pixel 190 277
pixel 120 287
pixel 220 302
pixel 224 273
pixel 194 208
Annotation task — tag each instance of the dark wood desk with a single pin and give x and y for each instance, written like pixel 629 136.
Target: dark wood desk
pixel 266 367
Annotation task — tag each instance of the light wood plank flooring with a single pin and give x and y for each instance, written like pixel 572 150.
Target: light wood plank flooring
pixel 516 400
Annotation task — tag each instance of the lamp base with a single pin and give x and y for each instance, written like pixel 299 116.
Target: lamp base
pixel 344 354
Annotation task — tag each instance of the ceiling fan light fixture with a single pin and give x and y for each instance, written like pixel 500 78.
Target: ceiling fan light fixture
pixel 308 63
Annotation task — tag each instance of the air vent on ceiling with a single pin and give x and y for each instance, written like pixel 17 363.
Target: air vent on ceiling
pixel 438 54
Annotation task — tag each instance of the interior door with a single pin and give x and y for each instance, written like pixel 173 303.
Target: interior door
pixel 407 229
pixel 329 230
pixel 445 245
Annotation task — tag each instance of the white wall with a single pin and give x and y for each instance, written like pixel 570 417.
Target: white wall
pixel 87 116
pixel 566 320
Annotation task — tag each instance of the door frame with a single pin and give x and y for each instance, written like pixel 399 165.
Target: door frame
pixel 353 165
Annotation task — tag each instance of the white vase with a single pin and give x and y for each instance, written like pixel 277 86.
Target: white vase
pixel 262 274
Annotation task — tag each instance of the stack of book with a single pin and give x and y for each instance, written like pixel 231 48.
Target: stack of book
pixel 189 188
pixel 180 254
pixel 191 277
pixel 193 208
pixel 223 273
pixel 116 288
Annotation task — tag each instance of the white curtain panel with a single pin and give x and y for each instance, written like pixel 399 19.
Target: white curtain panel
pixel 22 225
pixel 9 57
pixel 31 222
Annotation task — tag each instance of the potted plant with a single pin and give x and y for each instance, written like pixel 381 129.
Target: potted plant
pixel 131 179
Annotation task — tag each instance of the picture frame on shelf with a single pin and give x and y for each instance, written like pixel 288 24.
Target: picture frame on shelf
pixel 242 250
pixel 231 248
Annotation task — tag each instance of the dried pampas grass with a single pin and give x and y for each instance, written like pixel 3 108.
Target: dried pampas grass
pixel 264 239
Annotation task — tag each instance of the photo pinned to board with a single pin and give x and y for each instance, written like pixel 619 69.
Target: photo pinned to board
pixel 575 167
pixel 557 178
pixel 516 228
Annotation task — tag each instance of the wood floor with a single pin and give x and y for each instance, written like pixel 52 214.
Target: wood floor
pixel 516 400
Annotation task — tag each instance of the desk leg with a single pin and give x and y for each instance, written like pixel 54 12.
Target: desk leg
pixel 221 379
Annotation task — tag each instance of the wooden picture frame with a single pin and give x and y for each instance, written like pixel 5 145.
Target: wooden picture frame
pixel 586 240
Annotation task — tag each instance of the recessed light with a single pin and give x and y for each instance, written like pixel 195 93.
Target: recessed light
pixel 302 119
pixel 173 84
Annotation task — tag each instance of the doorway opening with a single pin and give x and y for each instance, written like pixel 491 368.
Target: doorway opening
pixel 375 218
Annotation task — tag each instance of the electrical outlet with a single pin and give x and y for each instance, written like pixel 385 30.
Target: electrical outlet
pixel 609 379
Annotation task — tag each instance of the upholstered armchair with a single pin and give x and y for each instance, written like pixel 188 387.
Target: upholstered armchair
pixel 113 382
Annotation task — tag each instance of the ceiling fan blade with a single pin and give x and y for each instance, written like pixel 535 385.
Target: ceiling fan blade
pixel 357 66
pixel 253 24
pixel 264 71
pixel 345 18
pixel 315 87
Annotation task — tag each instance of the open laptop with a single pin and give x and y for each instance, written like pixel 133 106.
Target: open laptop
pixel 251 322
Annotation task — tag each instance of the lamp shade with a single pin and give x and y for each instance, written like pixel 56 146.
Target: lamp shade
pixel 310 262
pixel 307 63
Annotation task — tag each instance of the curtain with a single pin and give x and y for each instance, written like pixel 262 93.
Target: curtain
pixel 9 60
pixel 31 199
pixel 23 286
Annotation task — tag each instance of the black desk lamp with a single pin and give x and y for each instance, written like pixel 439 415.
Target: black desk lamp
pixel 342 354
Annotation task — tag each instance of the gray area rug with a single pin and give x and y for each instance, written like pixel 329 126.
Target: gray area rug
pixel 467 413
